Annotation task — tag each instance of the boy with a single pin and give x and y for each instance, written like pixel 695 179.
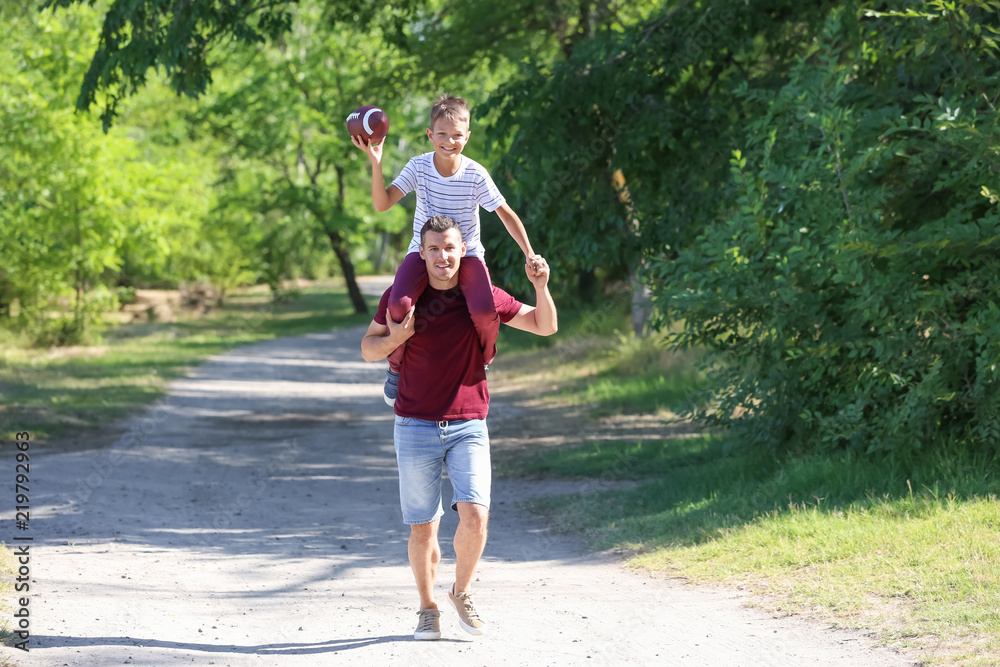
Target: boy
pixel 446 183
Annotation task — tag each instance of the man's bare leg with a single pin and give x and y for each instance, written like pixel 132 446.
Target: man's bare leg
pixel 425 554
pixel 470 541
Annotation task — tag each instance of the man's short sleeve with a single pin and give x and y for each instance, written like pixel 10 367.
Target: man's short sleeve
pixel 487 194
pixel 383 307
pixel 406 181
pixel 506 305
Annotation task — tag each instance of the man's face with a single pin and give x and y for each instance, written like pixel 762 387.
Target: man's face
pixel 449 137
pixel 442 252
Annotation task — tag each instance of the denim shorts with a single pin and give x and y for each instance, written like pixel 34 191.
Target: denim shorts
pixel 423 448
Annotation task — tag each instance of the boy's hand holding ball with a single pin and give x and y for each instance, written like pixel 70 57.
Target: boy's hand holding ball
pixel 368 126
pixel 368 122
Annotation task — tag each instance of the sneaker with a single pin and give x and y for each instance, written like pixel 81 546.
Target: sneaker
pixel 468 617
pixel 391 388
pixel 429 625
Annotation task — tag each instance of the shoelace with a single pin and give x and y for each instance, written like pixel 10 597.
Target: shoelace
pixel 468 606
pixel 427 620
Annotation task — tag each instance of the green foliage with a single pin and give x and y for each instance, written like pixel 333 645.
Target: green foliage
pixel 555 141
pixel 809 187
pixel 851 282
pixel 178 36
pixel 64 193
pixel 812 187
pixel 83 213
pixel 290 165
pixel 645 98
pixel 175 237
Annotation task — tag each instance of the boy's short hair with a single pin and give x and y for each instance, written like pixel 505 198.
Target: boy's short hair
pixel 450 107
pixel 439 224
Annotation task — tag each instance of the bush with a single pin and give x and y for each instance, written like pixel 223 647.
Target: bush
pixel 852 281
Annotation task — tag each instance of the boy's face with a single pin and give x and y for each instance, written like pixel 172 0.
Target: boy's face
pixel 449 137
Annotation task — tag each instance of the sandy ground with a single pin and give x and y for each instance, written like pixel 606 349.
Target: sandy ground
pixel 251 518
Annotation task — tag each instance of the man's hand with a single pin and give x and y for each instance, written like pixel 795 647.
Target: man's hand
pixel 537 270
pixel 374 152
pixel 381 339
pixel 540 319
pixel 400 332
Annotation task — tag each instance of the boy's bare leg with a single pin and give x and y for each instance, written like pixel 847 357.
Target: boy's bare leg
pixel 425 554
pixel 470 541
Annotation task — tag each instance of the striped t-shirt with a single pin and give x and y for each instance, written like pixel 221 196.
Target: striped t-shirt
pixel 458 196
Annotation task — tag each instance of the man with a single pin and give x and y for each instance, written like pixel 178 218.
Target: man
pixel 441 414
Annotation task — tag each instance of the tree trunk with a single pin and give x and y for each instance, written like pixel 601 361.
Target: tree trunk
pixel 4 306
pixel 347 268
pixel 381 251
pixel 642 303
pixel 586 285
pixel 78 277
pixel 341 250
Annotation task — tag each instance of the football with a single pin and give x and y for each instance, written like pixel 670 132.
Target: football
pixel 369 122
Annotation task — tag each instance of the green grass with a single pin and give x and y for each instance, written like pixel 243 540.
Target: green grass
pixel 627 375
pixel 50 392
pixel 611 392
pixel 906 547
pixel 839 535
pixel 607 316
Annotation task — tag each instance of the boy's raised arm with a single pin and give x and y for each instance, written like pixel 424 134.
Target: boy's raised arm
pixel 383 198
pixel 516 230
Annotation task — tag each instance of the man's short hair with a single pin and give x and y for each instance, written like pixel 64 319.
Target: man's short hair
pixel 439 224
pixel 450 107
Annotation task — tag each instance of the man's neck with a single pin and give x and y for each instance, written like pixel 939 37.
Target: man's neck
pixel 443 284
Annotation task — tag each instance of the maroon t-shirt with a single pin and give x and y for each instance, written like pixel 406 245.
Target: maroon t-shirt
pixel 442 376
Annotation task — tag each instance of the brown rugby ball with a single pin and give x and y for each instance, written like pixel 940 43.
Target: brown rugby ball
pixel 369 122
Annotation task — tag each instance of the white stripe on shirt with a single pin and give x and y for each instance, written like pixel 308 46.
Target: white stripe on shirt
pixel 458 196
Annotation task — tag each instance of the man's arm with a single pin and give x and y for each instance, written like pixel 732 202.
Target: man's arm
pixel 381 339
pixel 383 198
pixel 540 319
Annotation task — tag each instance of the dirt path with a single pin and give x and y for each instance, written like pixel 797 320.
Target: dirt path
pixel 251 518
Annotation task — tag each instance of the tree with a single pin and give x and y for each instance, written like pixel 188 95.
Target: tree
pixel 66 187
pixel 178 37
pixel 840 263
pixel 467 42
pixel 526 41
pixel 83 212
pixel 282 111
pixel 851 281
pixel 651 100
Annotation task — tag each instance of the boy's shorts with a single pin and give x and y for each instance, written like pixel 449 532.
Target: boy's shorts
pixel 422 447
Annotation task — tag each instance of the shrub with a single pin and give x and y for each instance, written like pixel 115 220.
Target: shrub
pixel 852 280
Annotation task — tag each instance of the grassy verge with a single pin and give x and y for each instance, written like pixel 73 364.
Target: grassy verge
pixel 599 363
pixel 905 547
pixel 50 392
